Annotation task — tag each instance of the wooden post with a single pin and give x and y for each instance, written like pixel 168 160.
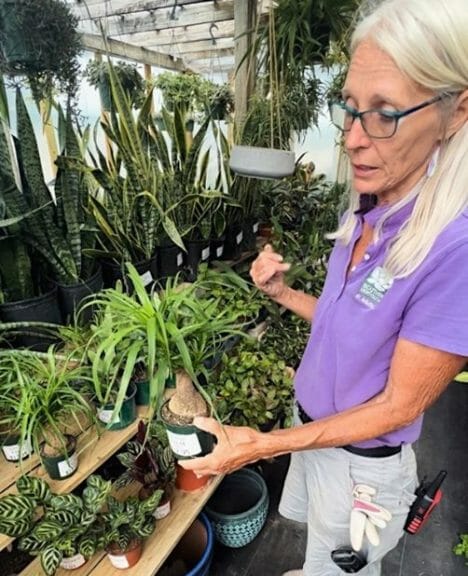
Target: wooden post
pixel 49 133
pixel 148 77
pixel 245 17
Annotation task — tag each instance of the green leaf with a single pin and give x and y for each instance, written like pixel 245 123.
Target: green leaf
pixel 50 560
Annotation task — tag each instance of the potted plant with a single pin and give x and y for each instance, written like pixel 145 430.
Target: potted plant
pixel 253 388
pixel 149 460
pixel 40 41
pixel 50 409
pixel 56 232
pixel 124 527
pixel 97 73
pixel 61 529
pixel 184 91
pixel 219 100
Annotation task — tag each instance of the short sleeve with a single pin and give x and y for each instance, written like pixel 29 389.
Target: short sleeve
pixel 437 312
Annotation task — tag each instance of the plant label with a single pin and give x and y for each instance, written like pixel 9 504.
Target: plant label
pixel 255 228
pixel 184 444
pixel 180 259
pixel 239 237
pixel 12 452
pixel 146 278
pixel 162 511
pixel 67 467
pixel 73 562
pixel 219 251
pixel 119 561
pixel 106 417
pixel 205 254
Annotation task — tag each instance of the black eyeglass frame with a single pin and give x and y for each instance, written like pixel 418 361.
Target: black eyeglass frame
pixel 394 114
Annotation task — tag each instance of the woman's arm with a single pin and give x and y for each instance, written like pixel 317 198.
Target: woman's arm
pixel 418 375
pixel 298 302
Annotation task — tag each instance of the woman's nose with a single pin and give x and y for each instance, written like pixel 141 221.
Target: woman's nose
pixel 357 137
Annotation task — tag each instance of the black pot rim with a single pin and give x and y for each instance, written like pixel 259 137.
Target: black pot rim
pixel 35 299
pixel 82 282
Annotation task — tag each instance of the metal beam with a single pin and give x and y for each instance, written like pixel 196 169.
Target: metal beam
pixel 98 44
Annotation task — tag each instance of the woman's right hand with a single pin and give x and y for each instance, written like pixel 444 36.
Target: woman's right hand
pixel 267 272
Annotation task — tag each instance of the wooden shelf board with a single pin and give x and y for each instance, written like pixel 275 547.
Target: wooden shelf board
pixel 93 452
pixel 185 508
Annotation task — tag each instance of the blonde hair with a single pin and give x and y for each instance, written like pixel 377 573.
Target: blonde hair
pixel 428 40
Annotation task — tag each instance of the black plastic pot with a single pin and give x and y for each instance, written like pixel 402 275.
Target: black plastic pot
pixel 217 248
pixel 198 251
pixel 71 296
pixel 233 242
pixel 250 230
pixel 171 260
pixel 111 272
pixel 42 308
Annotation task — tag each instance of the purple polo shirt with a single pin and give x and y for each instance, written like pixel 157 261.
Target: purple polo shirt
pixel 358 319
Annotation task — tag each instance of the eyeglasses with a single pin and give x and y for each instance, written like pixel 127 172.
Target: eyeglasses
pixel 377 123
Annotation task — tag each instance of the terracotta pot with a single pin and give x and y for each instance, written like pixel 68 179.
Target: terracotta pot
pixel 127 559
pixel 187 481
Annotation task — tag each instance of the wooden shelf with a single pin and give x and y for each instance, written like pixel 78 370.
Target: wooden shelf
pixel 185 508
pixel 93 451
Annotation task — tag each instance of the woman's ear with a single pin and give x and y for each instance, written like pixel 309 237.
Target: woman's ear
pixel 460 114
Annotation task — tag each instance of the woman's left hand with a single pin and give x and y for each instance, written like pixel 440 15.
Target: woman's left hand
pixel 236 446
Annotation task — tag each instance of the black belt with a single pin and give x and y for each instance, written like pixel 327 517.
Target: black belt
pixel 376 452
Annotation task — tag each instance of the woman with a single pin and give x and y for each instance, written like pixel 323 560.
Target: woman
pixel 390 330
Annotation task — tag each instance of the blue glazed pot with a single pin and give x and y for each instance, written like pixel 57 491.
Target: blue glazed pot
pixel 239 507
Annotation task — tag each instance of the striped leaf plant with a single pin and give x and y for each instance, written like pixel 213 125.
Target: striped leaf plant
pixel 54 526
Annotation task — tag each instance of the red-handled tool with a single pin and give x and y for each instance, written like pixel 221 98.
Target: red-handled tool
pixel 428 495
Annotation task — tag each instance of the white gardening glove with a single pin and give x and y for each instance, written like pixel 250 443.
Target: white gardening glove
pixel 365 516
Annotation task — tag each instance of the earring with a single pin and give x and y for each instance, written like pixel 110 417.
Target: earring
pixel 431 167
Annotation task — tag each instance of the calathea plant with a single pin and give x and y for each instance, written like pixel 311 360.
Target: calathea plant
pixel 54 526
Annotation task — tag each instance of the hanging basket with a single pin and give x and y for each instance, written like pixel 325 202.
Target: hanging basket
pixel 268 163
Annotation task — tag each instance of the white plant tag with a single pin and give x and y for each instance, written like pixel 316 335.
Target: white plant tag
pixel 219 251
pixel 180 259
pixel 119 561
pixel 67 467
pixel 73 562
pixel 106 417
pixel 12 452
pixel 162 511
pixel 184 444
pixel 255 228
pixel 205 254
pixel 146 278
pixel 239 237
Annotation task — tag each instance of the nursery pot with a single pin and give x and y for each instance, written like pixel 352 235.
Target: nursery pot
pixel 186 440
pixel 12 450
pixel 143 393
pixel 258 162
pixel 171 260
pixel 42 308
pixel 163 509
pixel 238 508
pixel 193 554
pixel 250 230
pixel 198 251
pixel 126 415
pixel 147 269
pixel 70 296
pixel 123 560
pixel 217 248
pixel 63 465
pixel 188 481
pixel 73 562
pixel 233 242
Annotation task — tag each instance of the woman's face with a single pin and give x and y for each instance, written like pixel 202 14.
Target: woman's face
pixel 391 167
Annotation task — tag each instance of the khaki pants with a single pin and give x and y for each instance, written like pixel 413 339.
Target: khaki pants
pixel 318 491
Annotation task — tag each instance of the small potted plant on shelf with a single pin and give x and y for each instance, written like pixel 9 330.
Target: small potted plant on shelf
pixel 124 527
pixel 149 460
pixel 62 529
pixel 50 409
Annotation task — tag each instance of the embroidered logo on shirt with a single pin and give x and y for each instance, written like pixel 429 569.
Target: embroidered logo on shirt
pixel 374 287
